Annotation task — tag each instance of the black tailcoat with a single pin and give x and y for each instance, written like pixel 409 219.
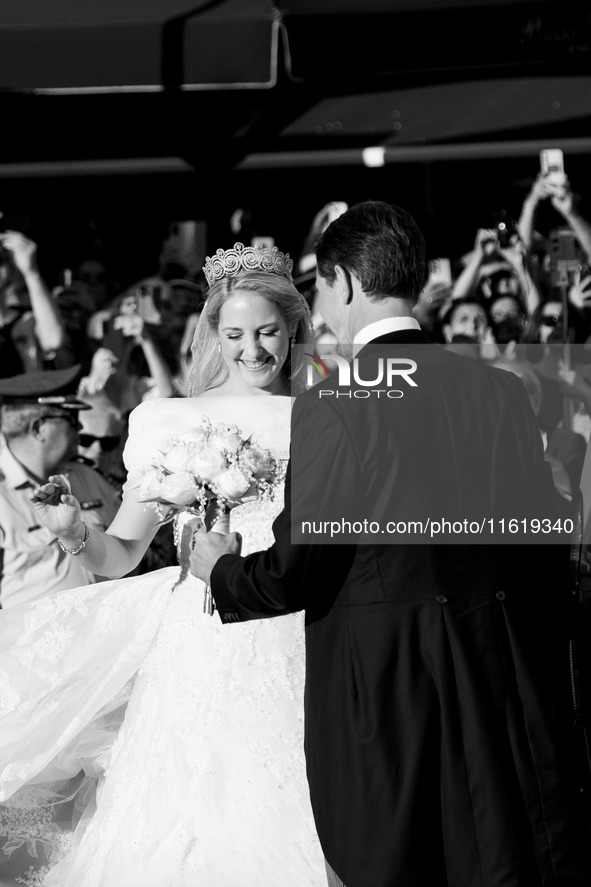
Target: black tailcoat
pixel 436 685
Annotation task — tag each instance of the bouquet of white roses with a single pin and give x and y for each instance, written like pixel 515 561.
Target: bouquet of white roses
pixel 209 469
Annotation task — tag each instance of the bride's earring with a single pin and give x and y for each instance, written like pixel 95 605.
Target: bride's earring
pixel 219 347
pixel 292 340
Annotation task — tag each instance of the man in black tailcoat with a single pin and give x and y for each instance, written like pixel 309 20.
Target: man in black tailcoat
pixel 437 735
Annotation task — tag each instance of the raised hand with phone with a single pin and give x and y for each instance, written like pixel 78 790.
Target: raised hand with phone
pixel 128 330
pixel 130 323
pixel 497 262
pixel 552 184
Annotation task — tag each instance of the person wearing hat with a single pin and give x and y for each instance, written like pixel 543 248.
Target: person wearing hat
pixel 39 423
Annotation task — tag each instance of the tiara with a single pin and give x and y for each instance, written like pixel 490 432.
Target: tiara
pixel 227 263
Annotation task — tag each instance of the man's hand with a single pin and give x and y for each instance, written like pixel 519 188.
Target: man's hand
pixel 561 198
pixel 486 242
pixel 207 549
pixel 104 365
pixel 57 508
pixel 23 250
pixel 131 325
pixel 573 384
pixel 580 292
pixel 328 214
pixel 539 190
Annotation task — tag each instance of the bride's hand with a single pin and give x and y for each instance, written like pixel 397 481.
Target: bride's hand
pixel 56 507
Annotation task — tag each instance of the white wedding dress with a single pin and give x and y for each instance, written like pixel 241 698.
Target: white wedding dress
pixel 177 741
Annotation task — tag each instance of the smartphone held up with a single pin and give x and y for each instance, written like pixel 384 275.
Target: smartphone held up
pixel 552 166
pixel 147 296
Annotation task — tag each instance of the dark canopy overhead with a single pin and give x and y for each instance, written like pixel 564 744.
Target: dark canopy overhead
pixel 292 82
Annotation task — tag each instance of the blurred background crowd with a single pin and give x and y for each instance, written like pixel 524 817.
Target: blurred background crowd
pixel 518 296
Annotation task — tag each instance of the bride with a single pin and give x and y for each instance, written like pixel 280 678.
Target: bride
pixel 142 743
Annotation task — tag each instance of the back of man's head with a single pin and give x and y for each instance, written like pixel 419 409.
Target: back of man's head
pixel 381 244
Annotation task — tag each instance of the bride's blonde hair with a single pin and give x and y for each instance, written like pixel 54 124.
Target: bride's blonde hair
pixel 208 369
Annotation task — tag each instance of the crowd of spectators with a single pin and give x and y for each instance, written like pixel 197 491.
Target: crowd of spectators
pixel 123 345
pixel 519 298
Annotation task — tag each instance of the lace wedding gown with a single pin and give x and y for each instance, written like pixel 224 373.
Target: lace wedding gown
pixel 177 741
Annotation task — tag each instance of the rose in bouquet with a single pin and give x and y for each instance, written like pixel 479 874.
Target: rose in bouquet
pixel 209 470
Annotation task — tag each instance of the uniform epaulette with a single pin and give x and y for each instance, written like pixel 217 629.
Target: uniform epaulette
pixel 82 460
pixel 113 482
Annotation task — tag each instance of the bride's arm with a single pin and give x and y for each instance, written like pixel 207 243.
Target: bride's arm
pixel 112 553
pixel 287 576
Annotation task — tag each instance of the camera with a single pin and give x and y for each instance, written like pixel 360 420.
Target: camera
pixel 563 246
pixel 505 229
pixel 564 258
pixel 506 233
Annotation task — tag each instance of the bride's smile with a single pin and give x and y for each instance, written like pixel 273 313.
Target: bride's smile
pixel 190 732
pixel 254 343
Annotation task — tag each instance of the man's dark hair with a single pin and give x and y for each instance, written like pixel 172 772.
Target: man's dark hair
pixel 381 244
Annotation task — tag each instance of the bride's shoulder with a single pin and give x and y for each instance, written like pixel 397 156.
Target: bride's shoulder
pixel 150 425
pixel 154 410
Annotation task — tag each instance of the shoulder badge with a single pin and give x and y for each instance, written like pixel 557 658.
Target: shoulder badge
pixel 91 503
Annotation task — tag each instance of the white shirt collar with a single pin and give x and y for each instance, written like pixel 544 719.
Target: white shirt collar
pixel 12 470
pixel 383 327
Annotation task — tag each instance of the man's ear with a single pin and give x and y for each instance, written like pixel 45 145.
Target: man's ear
pixel 343 283
pixel 35 428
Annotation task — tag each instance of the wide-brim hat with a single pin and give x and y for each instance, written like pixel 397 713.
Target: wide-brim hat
pixel 47 388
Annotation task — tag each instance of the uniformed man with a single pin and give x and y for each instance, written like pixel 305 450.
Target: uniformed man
pixel 39 424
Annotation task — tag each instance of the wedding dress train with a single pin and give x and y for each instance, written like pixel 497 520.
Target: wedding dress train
pixel 177 740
